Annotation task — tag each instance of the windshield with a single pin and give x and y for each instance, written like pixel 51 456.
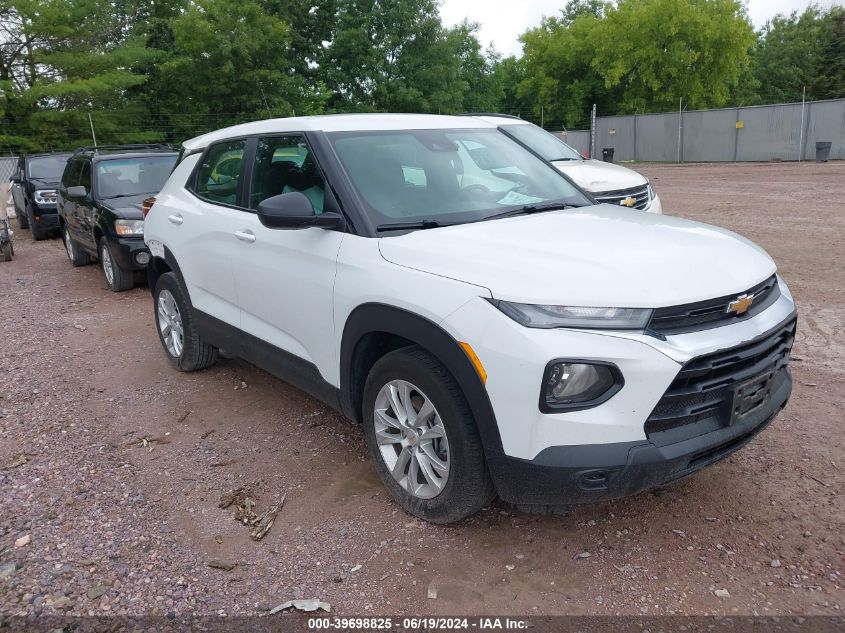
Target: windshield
pixel 47 167
pixel 133 176
pixel 547 145
pixel 447 176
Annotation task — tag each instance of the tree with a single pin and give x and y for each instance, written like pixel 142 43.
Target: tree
pixel 660 51
pixel 829 82
pixel 559 78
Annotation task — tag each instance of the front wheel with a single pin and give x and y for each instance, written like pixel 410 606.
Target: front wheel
pixel 7 251
pixel 182 343
pixel 23 219
pixel 422 438
pixel 117 278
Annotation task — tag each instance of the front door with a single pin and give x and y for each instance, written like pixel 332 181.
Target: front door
pixel 285 277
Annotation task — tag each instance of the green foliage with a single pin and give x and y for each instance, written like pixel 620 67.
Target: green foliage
pixel 147 70
pixel 660 51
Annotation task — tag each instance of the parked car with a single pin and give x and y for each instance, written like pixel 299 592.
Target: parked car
pixel 33 186
pixel 99 204
pixel 494 331
pixel 606 182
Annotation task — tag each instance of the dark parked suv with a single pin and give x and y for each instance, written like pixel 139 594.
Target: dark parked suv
pixel 34 185
pixel 100 197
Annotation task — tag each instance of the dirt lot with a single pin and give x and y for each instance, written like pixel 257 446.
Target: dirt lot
pixel 119 525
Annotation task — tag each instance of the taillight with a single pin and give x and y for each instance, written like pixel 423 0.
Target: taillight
pixel 146 205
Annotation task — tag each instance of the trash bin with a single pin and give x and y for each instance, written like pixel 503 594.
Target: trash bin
pixel 607 154
pixel 822 151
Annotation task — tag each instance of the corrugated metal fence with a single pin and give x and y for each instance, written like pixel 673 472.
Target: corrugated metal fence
pixel 756 133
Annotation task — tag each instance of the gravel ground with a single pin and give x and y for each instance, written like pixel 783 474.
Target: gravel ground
pixel 113 465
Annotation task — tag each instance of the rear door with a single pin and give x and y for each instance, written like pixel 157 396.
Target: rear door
pixel 202 235
pixel 84 208
pixel 285 278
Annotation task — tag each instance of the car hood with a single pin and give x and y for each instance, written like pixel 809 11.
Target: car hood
pixel 594 256
pixel 128 208
pixel 44 183
pixel 597 177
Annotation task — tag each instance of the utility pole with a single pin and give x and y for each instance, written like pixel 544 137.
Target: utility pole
pixel 542 117
pixel 94 136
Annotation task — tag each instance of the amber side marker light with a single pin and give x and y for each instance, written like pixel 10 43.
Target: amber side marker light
pixel 473 358
pixel 146 205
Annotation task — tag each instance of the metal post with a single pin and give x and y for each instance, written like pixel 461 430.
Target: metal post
pixel 635 137
pixel 593 133
pixel 94 136
pixel 542 117
pixel 736 136
pixel 680 125
pixel 801 135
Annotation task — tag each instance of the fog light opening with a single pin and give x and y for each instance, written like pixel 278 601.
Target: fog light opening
pixel 578 385
pixel 142 259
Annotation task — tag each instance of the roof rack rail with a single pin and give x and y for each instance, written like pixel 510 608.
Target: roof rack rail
pixel 126 146
pixel 498 114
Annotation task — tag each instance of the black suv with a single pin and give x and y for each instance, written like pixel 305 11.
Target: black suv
pixel 34 185
pixel 100 197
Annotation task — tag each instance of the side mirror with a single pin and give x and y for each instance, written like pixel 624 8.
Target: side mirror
pixel 15 180
pixel 294 211
pixel 77 193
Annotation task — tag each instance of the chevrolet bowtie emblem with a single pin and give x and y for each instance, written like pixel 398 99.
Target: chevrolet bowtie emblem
pixel 628 202
pixel 741 304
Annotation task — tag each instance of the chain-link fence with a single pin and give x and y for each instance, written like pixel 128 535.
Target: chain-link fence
pixel 788 131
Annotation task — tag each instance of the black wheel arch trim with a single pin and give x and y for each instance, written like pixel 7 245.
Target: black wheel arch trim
pixel 373 318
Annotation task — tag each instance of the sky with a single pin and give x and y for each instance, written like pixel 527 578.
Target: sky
pixel 502 21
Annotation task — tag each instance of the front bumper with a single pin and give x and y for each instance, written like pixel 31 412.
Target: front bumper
pixel 45 216
pixel 655 206
pixel 130 253
pixel 563 475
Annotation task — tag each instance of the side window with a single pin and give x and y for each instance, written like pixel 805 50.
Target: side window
pixel 70 176
pixel 219 172
pixel 20 171
pixel 85 175
pixel 283 164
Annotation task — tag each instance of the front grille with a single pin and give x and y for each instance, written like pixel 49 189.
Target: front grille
pixel 702 315
pixel 639 194
pixel 701 398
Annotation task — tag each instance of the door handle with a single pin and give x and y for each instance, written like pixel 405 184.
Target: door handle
pixel 175 218
pixel 245 236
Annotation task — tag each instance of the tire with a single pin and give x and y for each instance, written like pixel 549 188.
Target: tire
pixel 193 354
pixel 467 487
pixel 7 251
pixel 38 233
pixel 23 219
pixel 76 255
pixel 117 278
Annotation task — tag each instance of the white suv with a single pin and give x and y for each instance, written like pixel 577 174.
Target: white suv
pixel 431 278
pixel 606 182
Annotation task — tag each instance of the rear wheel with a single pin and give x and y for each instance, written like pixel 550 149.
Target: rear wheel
pixel 76 255
pixel 422 437
pixel 118 279
pixel 182 343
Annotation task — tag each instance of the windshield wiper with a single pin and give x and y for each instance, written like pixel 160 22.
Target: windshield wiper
pixel 409 226
pixel 533 208
pixel 128 195
pixel 556 160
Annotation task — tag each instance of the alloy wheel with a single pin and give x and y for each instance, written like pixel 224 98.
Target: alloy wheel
pixel 105 256
pixel 69 245
pixel 411 439
pixel 170 324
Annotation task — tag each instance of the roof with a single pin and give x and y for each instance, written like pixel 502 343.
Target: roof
pixel 501 119
pixel 338 123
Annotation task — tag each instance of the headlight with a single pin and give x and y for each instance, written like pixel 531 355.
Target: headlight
pixel 45 196
pixel 129 228
pixel 546 316
pixel 569 385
